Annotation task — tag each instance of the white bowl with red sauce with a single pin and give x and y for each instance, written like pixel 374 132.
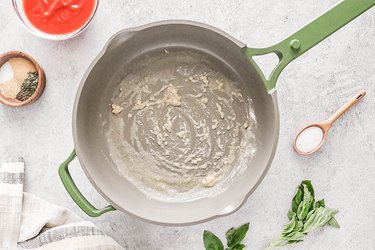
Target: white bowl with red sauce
pixel 55 19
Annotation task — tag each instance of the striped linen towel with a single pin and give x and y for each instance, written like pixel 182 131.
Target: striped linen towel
pixel 28 222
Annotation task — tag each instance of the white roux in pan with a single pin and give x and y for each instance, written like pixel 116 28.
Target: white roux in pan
pixel 180 127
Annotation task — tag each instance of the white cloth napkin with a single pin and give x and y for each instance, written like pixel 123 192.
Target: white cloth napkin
pixel 28 222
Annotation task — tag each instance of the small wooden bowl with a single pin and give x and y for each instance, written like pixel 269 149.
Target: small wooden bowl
pixel 41 79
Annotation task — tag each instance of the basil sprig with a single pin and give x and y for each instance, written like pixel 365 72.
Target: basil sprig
pixel 234 238
pixel 305 216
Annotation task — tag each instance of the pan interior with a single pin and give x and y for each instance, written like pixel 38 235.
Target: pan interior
pixel 180 122
pixel 100 88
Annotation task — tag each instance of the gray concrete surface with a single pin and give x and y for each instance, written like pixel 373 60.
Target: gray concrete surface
pixel 309 90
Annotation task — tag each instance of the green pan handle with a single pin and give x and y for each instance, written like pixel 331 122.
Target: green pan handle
pixel 76 195
pixel 307 37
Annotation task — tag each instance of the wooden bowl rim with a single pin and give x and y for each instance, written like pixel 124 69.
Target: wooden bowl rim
pixel 5 57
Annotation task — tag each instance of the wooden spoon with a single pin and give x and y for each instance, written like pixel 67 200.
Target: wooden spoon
pixel 324 126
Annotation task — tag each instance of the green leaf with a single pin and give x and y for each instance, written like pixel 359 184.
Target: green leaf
pixel 291 231
pixel 303 190
pixel 291 214
pixel 277 243
pixel 236 235
pixel 237 247
pixel 294 236
pixel 289 227
pixel 320 203
pixel 320 217
pixel 211 241
pixel 308 200
pixel 309 214
pixel 299 226
pixel 309 186
pixel 297 199
pixel 333 222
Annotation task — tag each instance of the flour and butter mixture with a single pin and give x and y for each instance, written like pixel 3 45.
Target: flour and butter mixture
pixel 180 128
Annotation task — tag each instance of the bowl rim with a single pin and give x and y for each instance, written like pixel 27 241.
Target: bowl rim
pixel 54 37
pixel 5 57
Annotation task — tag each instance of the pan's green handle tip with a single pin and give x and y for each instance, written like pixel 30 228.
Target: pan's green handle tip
pixel 74 192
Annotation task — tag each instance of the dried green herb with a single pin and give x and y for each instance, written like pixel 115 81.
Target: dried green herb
pixel 28 86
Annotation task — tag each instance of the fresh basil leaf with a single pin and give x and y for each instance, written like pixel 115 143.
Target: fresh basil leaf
pixel 291 214
pixel 309 214
pixel 320 203
pixel 299 196
pixel 282 241
pixel 309 186
pixel 333 222
pixel 289 227
pixel 237 247
pixel 211 241
pixel 236 235
pixel 299 226
pixel 277 243
pixel 293 226
pixel 294 236
pixel 320 217
pixel 307 203
pixel 297 199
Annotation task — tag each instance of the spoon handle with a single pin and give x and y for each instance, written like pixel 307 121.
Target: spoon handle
pixel 346 106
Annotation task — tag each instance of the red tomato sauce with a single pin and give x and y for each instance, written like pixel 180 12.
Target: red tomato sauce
pixel 58 16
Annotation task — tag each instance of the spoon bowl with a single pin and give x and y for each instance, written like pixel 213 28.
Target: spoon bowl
pixel 315 140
